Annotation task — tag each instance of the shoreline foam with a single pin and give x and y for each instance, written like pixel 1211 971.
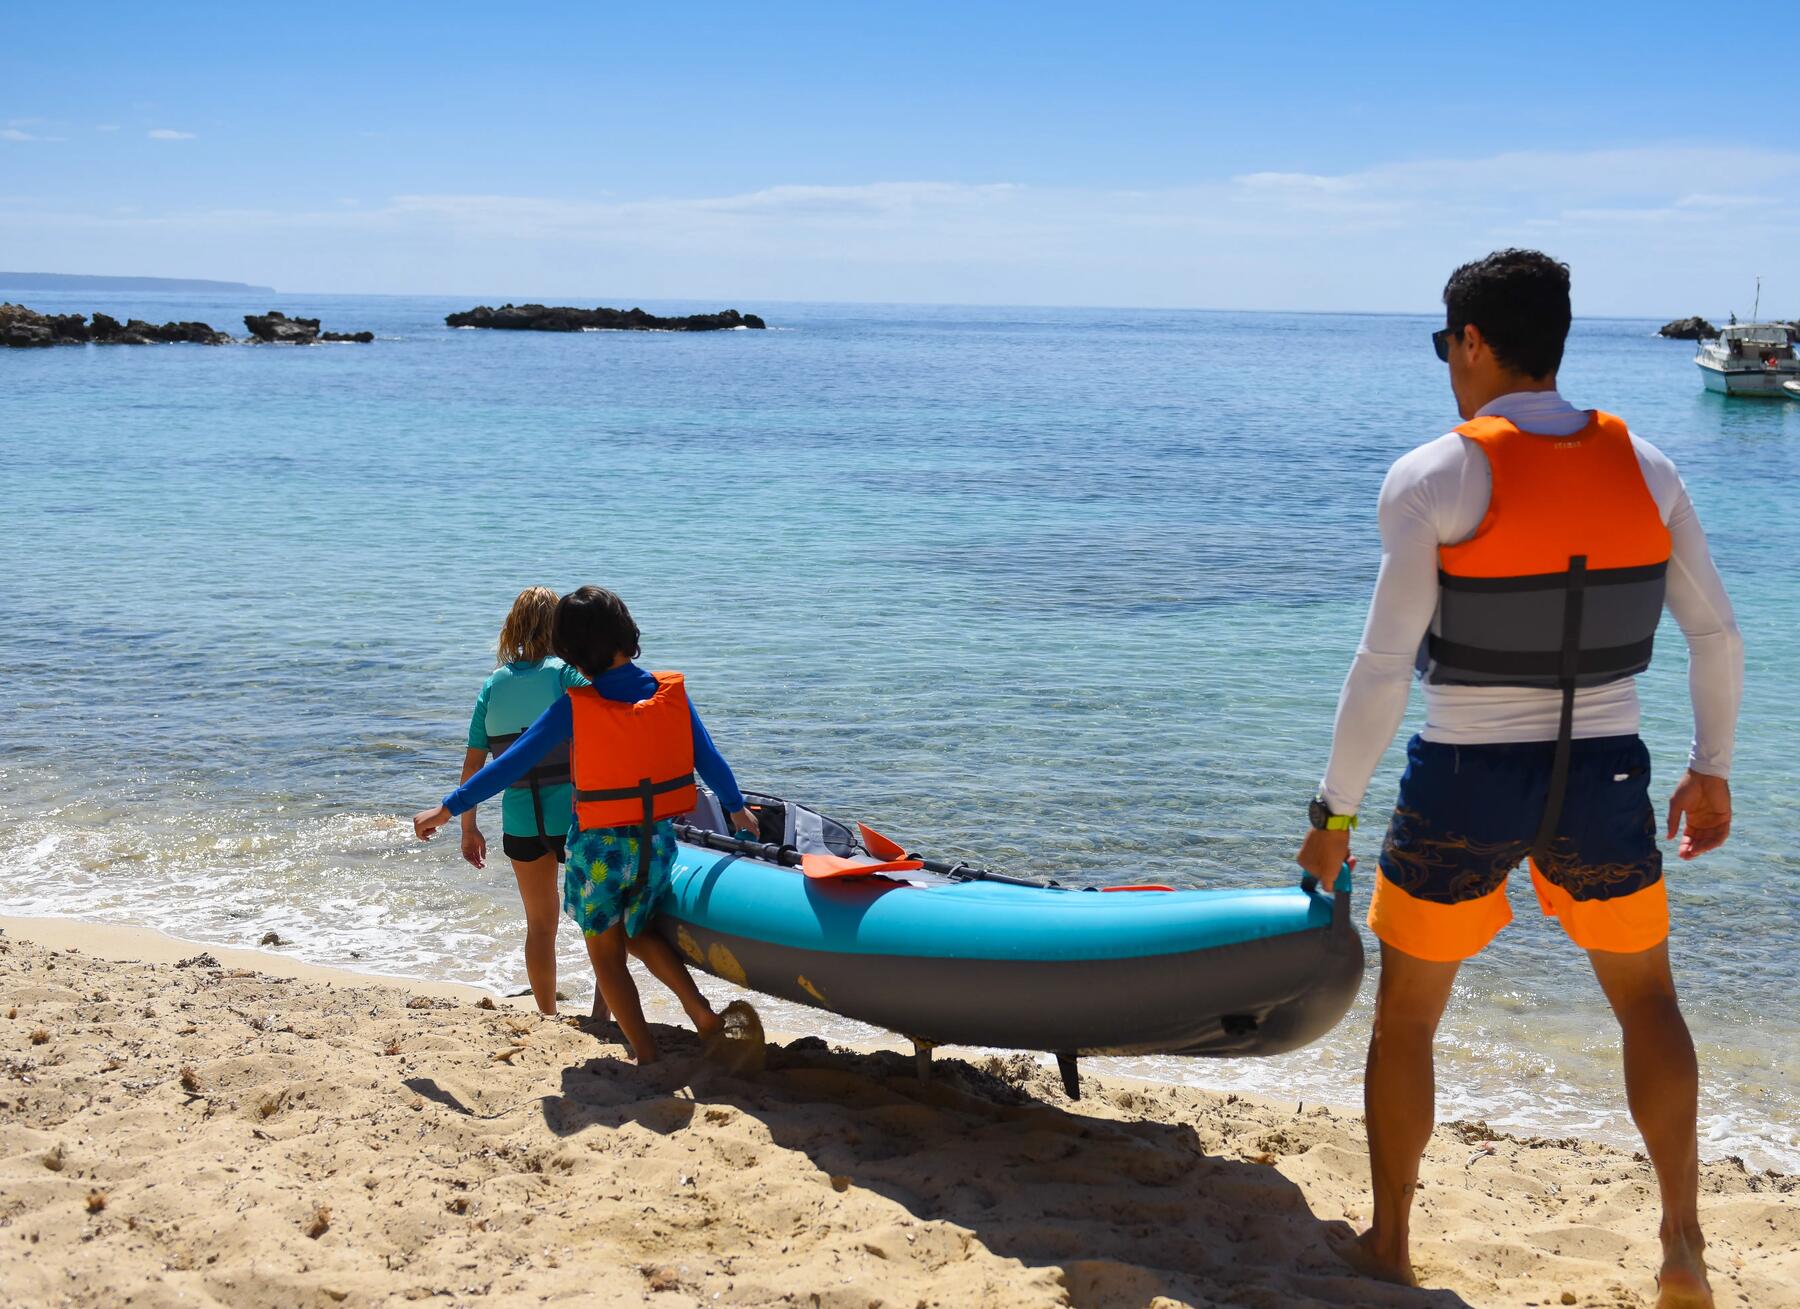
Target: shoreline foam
pixel 222 1134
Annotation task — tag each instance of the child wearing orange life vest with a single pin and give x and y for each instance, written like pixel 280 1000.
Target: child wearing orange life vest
pixel 635 743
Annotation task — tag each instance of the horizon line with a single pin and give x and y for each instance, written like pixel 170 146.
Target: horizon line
pixel 903 304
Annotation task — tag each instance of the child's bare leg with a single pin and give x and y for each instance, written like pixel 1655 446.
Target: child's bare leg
pixel 607 953
pixel 666 967
pixel 539 894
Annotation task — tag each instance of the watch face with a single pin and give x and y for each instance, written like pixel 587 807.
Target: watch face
pixel 1318 814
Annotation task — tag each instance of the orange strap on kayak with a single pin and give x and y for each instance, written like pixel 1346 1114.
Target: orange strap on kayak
pixel 1141 886
pixel 831 865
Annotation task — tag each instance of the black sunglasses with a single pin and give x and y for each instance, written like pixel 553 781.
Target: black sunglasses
pixel 1440 341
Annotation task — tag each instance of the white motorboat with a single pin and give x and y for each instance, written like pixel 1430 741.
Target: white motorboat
pixel 1750 359
pixel 1792 389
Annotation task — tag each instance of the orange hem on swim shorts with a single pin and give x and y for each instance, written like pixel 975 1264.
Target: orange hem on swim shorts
pixel 1624 924
pixel 1442 933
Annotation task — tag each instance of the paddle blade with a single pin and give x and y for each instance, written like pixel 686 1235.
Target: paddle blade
pixel 829 865
pixel 878 845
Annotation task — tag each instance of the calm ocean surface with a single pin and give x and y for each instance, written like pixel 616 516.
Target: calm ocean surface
pixel 1068 592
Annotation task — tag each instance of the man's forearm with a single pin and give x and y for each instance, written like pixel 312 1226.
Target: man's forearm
pixel 1370 709
pixel 1715 684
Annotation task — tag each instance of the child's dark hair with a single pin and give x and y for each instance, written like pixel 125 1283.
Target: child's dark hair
pixel 1520 301
pixel 592 627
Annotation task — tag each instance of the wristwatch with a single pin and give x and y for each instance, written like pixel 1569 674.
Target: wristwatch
pixel 1326 821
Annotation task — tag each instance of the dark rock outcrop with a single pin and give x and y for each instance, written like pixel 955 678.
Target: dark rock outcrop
pixel 276 328
pixel 24 327
pixel 20 326
pixel 562 318
pixel 1688 329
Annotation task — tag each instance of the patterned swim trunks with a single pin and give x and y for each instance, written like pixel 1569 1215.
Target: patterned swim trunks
pixel 601 885
pixel 1466 817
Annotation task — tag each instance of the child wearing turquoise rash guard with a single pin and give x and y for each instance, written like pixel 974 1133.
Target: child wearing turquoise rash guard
pixel 535 812
pixel 618 867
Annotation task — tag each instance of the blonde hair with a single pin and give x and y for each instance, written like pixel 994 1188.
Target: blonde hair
pixel 526 635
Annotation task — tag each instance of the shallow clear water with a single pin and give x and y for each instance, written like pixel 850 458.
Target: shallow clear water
pixel 1067 592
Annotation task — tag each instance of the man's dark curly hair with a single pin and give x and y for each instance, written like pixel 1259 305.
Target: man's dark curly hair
pixel 1520 301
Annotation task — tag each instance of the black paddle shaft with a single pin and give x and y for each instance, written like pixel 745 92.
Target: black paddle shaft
pixel 788 857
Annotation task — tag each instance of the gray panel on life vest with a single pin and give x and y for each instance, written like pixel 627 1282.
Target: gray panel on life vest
pixel 550 770
pixel 1531 622
pixel 1507 620
pixel 1620 615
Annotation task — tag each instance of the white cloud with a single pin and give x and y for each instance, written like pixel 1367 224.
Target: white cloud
pixel 14 134
pixel 1705 201
pixel 168 134
pixel 107 127
pixel 1641 228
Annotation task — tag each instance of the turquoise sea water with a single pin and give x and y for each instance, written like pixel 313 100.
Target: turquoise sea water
pixel 1068 592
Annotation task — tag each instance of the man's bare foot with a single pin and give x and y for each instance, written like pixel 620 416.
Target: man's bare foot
pixel 1359 1253
pixel 1682 1283
pixel 707 1024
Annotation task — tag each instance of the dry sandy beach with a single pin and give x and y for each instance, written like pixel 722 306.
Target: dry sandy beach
pixel 181 1126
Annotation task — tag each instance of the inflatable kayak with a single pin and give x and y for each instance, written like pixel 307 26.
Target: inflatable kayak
pixel 844 920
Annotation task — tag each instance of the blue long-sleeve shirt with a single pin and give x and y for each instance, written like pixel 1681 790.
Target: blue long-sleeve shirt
pixel 627 684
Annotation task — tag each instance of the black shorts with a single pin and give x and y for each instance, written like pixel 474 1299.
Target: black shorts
pixel 528 848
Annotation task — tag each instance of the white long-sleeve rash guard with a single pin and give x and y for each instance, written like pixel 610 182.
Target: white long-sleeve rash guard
pixel 1437 495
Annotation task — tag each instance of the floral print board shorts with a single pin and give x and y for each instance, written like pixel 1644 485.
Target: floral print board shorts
pixel 601 885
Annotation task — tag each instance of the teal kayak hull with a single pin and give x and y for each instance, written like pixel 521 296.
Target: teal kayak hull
pixel 1208 972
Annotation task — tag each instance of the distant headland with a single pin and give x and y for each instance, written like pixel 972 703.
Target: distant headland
pixel 562 318
pixel 89 282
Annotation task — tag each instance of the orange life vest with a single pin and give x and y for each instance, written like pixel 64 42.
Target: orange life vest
pixel 632 764
pixel 1562 584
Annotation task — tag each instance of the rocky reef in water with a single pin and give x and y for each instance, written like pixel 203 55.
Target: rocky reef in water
pixel 23 328
pixel 1698 329
pixel 276 328
pixel 1688 329
pixel 562 318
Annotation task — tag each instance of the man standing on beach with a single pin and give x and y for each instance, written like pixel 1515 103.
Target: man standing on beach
pixel 1526 559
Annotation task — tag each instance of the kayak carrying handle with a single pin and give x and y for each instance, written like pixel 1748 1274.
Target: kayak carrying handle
pixel 1343 886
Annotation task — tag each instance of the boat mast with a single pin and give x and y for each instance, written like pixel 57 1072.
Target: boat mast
pixel 1756 311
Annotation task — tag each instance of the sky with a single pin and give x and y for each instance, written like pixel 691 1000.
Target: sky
pixel 1297 156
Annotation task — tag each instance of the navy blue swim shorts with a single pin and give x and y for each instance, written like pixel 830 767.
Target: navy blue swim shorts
pixel 1466 817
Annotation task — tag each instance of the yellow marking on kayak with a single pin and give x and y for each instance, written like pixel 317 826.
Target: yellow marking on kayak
pixel 724 964
pixel 688 946
pixel 809 988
